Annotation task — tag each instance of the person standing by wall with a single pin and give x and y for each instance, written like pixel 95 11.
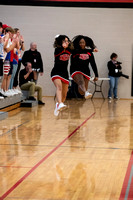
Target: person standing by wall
pixel 34 57
pixel 114 73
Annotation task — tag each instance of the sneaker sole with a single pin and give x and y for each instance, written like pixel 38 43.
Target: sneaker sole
pixel 89 96
pixel 56 113
pixel 63 108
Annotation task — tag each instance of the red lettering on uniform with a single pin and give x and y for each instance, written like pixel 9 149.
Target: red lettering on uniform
pixel 83 56
pixel 64 57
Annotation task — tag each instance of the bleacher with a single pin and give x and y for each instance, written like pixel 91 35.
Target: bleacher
pixel 12 100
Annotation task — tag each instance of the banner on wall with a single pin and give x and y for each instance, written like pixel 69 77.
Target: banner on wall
pixel 71 3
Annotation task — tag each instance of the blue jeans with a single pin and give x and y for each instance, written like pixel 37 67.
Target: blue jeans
pixel 113 83
pixel 15 66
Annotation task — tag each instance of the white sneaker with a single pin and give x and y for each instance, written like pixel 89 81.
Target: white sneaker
pixel 88 95
pixel 56 112
pixel 8 93
pixel 13 91
pixel 2 91
pixel 61 107
pixel 18 91
pixel 1 97
pixel 116 98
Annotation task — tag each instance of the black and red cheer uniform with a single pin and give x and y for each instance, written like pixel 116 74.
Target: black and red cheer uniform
pixel 80 60
pixel 59 70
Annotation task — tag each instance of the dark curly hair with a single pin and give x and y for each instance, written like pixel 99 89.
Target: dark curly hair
pixel 89 42
pixel 113 55
pixel 1 24
pixel 59 39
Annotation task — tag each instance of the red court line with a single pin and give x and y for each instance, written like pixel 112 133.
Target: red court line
pixel 42 160
pixel 130 195
pixel 125 184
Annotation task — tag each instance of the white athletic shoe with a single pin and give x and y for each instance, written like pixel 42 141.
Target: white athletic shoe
pixel 61 107
pixel 8 93
pixel 56 112
pixel 2 91
pixel 1 97
pixel 88 95
pixel 13 91
pixel 18 91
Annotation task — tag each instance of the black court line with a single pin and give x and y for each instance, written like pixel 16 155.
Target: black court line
pixel 9 131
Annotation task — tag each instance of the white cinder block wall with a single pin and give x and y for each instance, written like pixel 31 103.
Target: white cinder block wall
pixel 110 28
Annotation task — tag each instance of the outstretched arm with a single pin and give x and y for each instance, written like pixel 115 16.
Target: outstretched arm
pixel 94 67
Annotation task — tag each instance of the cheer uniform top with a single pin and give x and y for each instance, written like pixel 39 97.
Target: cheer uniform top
pixel 59 70
pixel 80 60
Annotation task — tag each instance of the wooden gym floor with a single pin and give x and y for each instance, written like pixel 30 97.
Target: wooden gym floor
pixel 86 153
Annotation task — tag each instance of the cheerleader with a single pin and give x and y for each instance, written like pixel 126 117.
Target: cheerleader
pixel 59 73
pixel 80 59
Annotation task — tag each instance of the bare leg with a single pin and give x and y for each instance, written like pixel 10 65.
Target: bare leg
pixel 79 79
pixel 4 82
pixel 64 91
pixel 86 83
pixel 61 91
pixel 58 85
pixel 8 82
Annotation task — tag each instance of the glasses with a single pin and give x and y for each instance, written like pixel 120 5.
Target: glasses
pixel 66 41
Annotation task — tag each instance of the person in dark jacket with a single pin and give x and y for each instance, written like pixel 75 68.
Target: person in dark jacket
pixel 34 57
pixel 114 68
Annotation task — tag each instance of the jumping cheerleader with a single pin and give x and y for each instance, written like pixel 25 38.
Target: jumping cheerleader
pixel 59 73
pixel 80 59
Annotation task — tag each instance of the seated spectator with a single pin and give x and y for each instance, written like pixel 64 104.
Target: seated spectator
pixel 27 82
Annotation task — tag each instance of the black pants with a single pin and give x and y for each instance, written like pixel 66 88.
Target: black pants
pixel 1 67
pixel 73 91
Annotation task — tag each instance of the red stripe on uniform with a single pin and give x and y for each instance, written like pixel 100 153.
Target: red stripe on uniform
pixel 58 77
pixel 59 53
pixel 68 52
pixel 78 72
pixel 75 55
pixel 89 53
pixel 64 51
